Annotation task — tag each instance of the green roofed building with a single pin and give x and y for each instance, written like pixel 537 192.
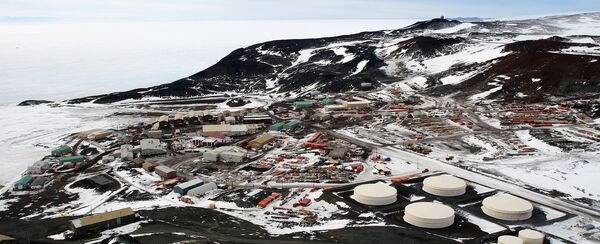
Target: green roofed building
pixel 328 101
pixel 62 150
pixel 303 104
pixel 24 182
pixel 292 124
pixel 278 127
pixel 72 159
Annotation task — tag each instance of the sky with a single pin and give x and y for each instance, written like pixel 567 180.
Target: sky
pixel 179 10
pixel 63 49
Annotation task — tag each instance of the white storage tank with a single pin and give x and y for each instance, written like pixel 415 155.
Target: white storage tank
pixel 507 207
pixel 444 185
pixel 531 236
pixel 376 194
pixel 429 215
pixel 509 240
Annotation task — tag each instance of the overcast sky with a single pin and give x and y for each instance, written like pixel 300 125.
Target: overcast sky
pixel 17 10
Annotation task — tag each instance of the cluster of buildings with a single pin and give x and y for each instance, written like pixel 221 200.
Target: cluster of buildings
pixel 62 158
pixel 535 115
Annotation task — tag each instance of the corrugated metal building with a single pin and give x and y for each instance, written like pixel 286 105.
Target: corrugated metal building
pixel 303 104
pixel 61 150
pixel 292 124
pixel 23 183
pixel 72 159
pixel 257 118
pixel 183 188
pixel 260 141
pixel 201 190
pixel 208 130
pixel 278 126
pixel 225 154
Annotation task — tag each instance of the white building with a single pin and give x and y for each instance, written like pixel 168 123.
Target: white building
pixel 232 156
pixel 230 120
pixel 151 147
pixel 238 130
pixel 127 151
pixel 228 154
pixel 38 167
pixel 201 190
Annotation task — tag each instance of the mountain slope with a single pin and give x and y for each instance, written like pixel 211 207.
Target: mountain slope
pixel 438 56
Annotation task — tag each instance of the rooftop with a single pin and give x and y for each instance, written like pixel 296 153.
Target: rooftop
pixel 103 217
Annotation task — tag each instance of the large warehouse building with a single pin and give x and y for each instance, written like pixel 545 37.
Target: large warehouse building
pixel 507 207
pixel 376 194
pixel 201 190
pixel 97 222
pixel 260 141
pixel 429 215
pixel 183 188
pixel 444 185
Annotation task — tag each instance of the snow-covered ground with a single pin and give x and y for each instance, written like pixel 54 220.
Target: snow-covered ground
pixel 25 127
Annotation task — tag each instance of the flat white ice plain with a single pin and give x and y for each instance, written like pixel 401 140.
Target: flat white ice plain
pixel 63 60
pixel 26 131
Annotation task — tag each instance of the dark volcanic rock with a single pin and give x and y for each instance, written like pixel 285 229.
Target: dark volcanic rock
pixel 536 74
pixel 342 63
pixel 33 102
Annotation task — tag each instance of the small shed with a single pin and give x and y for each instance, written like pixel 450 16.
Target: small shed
pixel 292 124
pixel 165 172
pixel 303 104
pixel 72 159
pixel 148 166
pixel 278 126
pixel 38 183
pixel 61 150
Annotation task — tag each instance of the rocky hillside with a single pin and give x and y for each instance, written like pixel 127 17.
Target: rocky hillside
pixel 519 59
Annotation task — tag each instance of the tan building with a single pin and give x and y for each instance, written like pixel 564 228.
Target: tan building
pixel 216 129
pixel 261 141
pixel 148 166
pixel 331 108
pixel 97 222
pixel 355 104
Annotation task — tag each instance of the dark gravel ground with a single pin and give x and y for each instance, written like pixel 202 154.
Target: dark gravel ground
pixel 197 225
